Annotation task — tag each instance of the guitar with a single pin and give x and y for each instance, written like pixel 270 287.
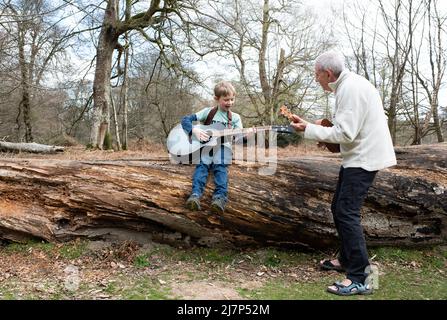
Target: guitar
pixel 332 147
pixel 179 143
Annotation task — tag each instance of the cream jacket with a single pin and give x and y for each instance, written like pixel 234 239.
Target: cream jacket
pixel 360 125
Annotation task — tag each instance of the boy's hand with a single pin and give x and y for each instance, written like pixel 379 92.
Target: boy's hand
pixel 298 123
pixel 200 134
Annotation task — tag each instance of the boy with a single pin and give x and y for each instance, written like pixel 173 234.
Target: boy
pixel 224 95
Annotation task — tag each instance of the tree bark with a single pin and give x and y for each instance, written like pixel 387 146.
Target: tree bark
pixel 58 200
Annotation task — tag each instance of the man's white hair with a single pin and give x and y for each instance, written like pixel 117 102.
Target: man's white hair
pixel 333 60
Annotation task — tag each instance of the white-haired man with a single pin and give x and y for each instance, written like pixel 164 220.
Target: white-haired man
pixel 360 127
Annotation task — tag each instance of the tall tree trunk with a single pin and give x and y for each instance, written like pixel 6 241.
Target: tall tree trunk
pixel 392 118
pixel 263 77
pixel 108 40
pixel 414 120
pixel 436 121
pixel 115 123
pixel 417 136
pixel 438 62
pixel 125 90
pixel 25 104
pixel 26 107
pixel 111 29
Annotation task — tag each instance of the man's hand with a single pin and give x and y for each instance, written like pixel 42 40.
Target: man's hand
pixel 200 134
pixel 298 124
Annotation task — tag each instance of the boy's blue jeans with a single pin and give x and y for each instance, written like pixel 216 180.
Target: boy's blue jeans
pixel 217 161
pixel 220 173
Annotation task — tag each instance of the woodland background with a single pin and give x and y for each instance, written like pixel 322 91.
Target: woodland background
pixel 107 73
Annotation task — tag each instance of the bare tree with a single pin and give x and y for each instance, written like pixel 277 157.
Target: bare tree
pixel 382 38
pixel 154 19
pixel 401 20
pixel 413 113
pixel 362 28
pixel 75 114
pixel 36 40
pixel 159 98
pixel 272 45
pixel 437 61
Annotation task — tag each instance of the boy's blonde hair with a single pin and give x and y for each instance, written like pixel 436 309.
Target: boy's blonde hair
pixel 223 89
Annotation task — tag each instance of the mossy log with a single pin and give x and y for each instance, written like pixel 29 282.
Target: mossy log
pixel 58 200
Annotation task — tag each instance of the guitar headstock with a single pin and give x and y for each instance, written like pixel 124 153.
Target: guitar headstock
pixel 284 111
pixel 283 129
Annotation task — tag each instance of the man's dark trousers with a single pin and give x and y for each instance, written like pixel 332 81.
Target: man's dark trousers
pixel 352 188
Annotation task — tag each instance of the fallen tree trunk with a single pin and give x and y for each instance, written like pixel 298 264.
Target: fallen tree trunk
pixel 58 200
pixel 29 147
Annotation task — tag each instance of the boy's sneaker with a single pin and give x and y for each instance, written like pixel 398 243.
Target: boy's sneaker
pixel 193 203
pixel 218 205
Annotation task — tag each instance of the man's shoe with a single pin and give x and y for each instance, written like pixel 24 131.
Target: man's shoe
pixel 193 203
pixel 340 289
pixel 218 205
pixel 328 265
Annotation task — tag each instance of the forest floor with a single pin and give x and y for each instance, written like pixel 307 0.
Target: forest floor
pixel 98 270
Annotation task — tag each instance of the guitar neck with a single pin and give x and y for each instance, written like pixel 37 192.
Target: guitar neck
pixel 231 132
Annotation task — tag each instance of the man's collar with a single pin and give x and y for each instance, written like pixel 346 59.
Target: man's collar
pixel 334 85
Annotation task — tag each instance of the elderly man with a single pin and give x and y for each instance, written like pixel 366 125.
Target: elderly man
pixel 360 127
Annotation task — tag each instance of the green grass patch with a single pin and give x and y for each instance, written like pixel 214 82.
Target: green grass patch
pixel 141 261
pixel 73 250
pixel 69 250
pixel 6 294
pixel 277 258
pixel 269 257
pixel 427 258
pixel 197 254
pixel 139 288
pixel 218 256
pixel 30 245
pixel 397 254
